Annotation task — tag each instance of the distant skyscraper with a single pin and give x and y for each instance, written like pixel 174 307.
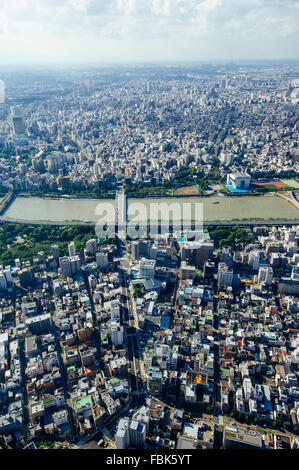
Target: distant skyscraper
pixel 2 92
pixel 18 122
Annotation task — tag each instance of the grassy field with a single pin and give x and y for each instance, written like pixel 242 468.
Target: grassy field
pixel 292 183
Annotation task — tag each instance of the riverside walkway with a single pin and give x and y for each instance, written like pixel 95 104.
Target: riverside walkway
pixel 289 196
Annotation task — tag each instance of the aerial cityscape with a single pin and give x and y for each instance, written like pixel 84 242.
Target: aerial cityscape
pixel 149 263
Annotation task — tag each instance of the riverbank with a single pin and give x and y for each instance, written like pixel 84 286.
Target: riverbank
pixel 5 201
pixel 215 223
pixel 64 196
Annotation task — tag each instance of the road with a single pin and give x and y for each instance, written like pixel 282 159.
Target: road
pixel 131 343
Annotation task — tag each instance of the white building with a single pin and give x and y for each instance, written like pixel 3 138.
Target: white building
pixel 115 310
pixel 122 439
pixel 60 418
pixel 225 275
pixel 147 268
pixel 239 180
pixel 72 249
pixel 254 260
pixel 247 388
pixel 265 275
pixel 117 334
pixel 69 265
pixel 190 393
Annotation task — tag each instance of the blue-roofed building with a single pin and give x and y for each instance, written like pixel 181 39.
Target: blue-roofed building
pixel 165 322
pixel 137 433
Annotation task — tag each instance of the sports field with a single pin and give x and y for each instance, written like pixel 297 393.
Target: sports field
pixel 272 184
pixel 186 191
pixel 292 183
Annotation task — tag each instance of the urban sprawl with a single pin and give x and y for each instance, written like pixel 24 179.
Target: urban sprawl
pixel 157 342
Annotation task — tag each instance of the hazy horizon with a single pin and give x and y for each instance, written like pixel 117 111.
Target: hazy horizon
pixel 97 32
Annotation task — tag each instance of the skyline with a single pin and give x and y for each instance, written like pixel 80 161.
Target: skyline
pixel 126 31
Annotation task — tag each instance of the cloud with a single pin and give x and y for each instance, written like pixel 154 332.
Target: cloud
pixel 226 23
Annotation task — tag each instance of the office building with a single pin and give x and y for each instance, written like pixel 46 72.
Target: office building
pixel 72 249
pixel 147 268
pixel 154 380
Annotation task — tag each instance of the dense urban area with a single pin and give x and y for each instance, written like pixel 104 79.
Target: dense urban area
pixel 160 342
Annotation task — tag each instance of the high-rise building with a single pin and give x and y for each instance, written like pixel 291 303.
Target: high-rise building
pixel 2 92
pixel 147 268
pixel 8 276
pixel 41 257
pixel 26 277
pixel 115 310
pixel 55 251
pixel 135 249
pixel 3 283
pixel 122 439
pixel 69 265
pixel 91 246
pixel 117 334
pixel 39 323
pixel 72 249
pixel 209 270
pixel 137 433
pixel 65 266
pixel 240 438
pixel 18 122
pixel 265 275
pixel 225 275
pixel 254 260
pixel 196 252
pixel 154 380
pixel 102 260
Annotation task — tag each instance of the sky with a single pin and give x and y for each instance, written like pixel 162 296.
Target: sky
pixel 102 31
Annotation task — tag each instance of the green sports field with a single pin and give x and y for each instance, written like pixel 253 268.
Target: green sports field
pixel 292 183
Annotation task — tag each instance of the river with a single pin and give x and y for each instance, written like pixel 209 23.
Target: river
pixel 215 208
